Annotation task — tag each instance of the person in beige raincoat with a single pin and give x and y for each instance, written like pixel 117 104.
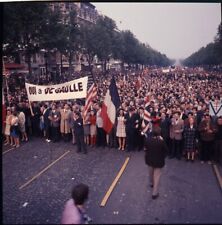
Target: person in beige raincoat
pixel 65 122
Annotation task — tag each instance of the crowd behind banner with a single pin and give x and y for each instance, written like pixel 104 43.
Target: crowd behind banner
pixel 177 102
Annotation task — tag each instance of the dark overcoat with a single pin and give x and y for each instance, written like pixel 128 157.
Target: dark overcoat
pixel 155 152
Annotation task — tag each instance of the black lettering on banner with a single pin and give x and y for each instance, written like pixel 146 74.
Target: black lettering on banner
pixel 70 88
pixel 57 90
pixel 75 88
pixel 49 90
pixel 66 89
pixel 40 91
pixel 46 90
pixel 32 90
pixel 80 86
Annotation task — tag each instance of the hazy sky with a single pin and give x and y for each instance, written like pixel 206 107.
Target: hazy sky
pixel 175 29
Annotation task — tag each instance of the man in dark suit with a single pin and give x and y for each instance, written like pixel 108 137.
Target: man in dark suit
pixel 130 129
pixel 139 129
pixel 54 117
pixel 35 119
pixel 79 132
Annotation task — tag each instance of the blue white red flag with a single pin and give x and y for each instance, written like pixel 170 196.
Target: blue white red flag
pixel 110 106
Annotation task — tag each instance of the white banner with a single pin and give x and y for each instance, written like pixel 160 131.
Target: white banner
pixel 70 90
pixel 215 108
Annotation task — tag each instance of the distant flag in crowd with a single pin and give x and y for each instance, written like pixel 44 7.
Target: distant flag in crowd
pixel 109 107
pixel 91 94
pixel 139 82
pixel 124 79
pixel 147 116
pixel 5 72
pixel 144 72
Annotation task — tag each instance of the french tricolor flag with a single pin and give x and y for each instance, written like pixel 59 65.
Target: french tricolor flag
pixel 109 107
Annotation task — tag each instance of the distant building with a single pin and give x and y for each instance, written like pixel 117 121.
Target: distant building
pixel 44 62
pixel 86 13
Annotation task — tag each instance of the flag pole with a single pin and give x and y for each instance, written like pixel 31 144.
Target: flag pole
pixel 6 74
pixel 30 106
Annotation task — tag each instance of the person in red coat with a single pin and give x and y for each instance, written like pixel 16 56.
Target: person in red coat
pixel 155 153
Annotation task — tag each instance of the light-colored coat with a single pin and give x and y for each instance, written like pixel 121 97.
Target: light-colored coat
pixel 176 129
pixel 65 121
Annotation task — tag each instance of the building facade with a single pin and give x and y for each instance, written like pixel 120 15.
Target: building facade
pixel 53 63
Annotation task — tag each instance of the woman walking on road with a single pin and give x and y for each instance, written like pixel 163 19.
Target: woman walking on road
pixel 155 153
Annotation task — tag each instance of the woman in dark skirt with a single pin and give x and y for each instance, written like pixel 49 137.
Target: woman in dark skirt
pixel 190 136
pixel 14 131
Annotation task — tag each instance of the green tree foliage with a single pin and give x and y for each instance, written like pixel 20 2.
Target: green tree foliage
pixel 72 32
pixel 218 44
pixel 132 51
pixel 23 28
pixel 130 44
pixel 30 27
pixel 209 55
pixel 104 34
pixel 88 42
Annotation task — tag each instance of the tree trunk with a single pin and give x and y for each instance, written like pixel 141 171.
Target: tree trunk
pixel 105 62
pixel 90 60
pixel 137 66
pixel 46 65
pixel 60 64
pixel 29 64
pixel 70 63
pixel 122 67
pixel 90 66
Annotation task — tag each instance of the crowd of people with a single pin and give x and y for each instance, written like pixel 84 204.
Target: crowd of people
pixel 177 102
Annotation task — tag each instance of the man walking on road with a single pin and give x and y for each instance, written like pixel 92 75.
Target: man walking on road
pixel 155 153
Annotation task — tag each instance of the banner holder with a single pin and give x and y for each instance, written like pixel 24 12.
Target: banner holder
pixel 30 106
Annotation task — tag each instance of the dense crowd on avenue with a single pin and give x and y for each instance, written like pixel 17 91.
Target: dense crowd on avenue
pixel 177 102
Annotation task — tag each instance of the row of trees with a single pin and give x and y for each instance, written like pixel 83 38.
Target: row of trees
pixel 30 27
pixel 209 55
